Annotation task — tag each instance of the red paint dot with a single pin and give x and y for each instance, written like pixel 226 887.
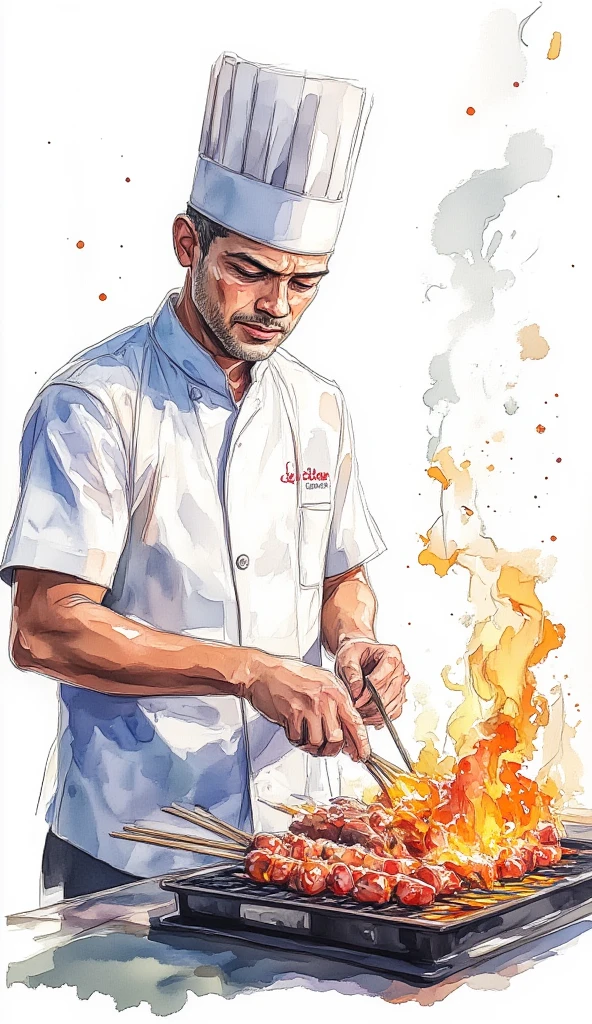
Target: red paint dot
pixel 558 460
pixel 552 537
pixel 80 244
pixel 128 179
pixel 556 395
pixel 540 429
pixel 515 84
pixel 470 111
pixel 102 296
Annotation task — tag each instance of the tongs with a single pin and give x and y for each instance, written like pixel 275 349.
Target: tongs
pixel 391 728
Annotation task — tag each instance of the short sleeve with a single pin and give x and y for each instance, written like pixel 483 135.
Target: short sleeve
pixel 72 515
pixel 354 537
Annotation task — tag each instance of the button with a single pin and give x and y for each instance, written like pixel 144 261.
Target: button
pixel 243 561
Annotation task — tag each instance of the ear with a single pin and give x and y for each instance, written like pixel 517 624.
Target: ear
pixel 185 241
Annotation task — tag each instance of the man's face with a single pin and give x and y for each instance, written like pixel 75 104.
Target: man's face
pixel 251 296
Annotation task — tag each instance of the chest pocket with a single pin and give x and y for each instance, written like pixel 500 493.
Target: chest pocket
pixel 315 523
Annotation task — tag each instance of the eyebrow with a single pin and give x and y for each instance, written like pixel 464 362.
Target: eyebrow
pixel 268 270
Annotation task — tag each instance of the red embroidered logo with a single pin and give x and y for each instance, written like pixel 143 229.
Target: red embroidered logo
pixel 313 477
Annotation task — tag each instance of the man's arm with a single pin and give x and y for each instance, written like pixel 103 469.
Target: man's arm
pixel 61 629
pixel 347 620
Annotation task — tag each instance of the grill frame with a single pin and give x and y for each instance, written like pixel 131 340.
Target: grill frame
pixel 427 943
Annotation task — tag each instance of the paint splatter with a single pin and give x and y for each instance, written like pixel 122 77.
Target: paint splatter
pixel 470 111
pixel 128 179
pixel 516 84
pixel 540 429
pixel 532 344
pixel 558 460
pixel 102 296
pixel 554 46
pixel 80 244
pixel 490 469
pixel 552 537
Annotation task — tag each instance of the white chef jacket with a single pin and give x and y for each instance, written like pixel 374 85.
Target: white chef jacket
pixel 200 517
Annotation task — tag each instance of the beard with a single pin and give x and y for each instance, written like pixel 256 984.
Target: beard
pixel 213 318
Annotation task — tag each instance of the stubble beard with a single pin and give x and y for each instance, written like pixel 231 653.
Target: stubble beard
pixel 211 314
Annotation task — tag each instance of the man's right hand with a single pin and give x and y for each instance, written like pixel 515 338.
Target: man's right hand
pixel 311 704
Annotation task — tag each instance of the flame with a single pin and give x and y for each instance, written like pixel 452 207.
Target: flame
pixel 472 809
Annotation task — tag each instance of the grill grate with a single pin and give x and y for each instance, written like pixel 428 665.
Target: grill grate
pixel 447 908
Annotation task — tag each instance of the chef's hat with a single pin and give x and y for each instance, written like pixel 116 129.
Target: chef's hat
pixel 277 153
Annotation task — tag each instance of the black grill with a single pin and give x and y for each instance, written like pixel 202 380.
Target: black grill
pixel 435 939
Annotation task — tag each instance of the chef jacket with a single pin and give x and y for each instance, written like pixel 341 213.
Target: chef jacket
pixel 219 521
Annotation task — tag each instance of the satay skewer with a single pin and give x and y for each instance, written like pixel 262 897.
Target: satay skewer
pixel 209 823
pixel 175 844
pixel 184 837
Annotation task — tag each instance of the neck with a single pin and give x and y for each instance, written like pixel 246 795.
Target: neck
pixel 238 371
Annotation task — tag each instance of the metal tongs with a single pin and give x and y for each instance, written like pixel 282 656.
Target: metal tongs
pixel 391 728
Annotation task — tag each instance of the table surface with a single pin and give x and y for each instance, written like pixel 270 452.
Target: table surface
pixel 105 943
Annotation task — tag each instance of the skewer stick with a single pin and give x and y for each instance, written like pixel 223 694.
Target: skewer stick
pixel 139 837
pixel 284 808
pixel 196 819
pixel 184 837
pixel 218 821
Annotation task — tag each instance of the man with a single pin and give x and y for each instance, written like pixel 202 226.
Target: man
pixel 191 526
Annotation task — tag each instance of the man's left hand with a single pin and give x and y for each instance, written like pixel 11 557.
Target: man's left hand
pixel 382 664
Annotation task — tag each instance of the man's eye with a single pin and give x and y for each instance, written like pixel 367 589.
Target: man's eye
pixel 247 275
pixel 304 286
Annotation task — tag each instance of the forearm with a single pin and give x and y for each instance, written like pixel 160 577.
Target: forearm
pixel 81 642
pixel 349 609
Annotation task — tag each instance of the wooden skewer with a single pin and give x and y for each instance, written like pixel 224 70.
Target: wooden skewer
pixel 239 832
pixel 184 837
pixel 196 819
pixel 139 837
pixel 284 808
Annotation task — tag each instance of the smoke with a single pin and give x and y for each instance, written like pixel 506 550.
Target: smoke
pixel 459 233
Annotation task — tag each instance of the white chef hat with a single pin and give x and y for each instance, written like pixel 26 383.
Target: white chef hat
pixel 277 154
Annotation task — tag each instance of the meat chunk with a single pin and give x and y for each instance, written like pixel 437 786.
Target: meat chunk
pixel 339 880
pixel 374 887
pixel 412 892
pixel 444 881
pixel 258 865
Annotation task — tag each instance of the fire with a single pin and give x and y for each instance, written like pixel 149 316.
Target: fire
pixel 479 808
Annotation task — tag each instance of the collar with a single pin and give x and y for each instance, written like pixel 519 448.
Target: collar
pixel 194 361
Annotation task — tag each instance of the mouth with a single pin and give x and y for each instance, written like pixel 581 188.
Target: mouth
pixel 259 333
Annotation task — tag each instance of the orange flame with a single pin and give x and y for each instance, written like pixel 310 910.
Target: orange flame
pixel 480 807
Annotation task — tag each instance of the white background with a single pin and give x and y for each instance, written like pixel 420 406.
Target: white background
pixel 97 92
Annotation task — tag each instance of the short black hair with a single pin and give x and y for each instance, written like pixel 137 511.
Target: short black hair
pixel 207 230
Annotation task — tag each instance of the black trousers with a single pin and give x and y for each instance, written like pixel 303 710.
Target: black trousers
pixel 78 872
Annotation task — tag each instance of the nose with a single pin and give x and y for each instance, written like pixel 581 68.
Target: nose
pixel 274 300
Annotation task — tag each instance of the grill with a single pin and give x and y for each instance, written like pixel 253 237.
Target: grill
pixel 425 943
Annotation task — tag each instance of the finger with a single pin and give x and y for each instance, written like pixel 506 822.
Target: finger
pixel 351 673
pixel 333 733
pixel 356 742
pixel 313 739
pixel 294 729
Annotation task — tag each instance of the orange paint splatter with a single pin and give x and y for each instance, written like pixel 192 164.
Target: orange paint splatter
pixel 554 46
pixel 467 511
pixel 541 429
pixel 470 111
pixel 80 245
pixel 491 468
pixel 435 473
pixel 553 537
pixel 102 296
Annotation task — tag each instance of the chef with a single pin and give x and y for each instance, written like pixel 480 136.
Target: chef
pixel 191 527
